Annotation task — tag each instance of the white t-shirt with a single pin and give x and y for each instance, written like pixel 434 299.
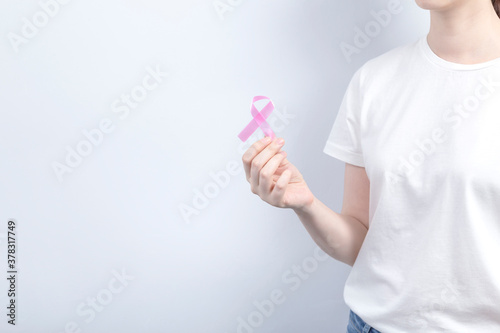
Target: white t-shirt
pixel 427 132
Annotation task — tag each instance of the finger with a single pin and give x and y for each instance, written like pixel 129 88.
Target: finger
pixel 263 157
pixel 279 189
pixel 252 151
pixel 267 172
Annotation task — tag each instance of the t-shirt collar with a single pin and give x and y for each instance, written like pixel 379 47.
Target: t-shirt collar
pixel 434 58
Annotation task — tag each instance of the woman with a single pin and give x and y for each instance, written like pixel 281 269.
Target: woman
pixel 419 130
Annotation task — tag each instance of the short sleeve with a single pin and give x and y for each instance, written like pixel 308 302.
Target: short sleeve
pixel 344 140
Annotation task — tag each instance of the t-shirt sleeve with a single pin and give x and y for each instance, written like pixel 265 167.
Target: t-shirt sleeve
pixel 344 140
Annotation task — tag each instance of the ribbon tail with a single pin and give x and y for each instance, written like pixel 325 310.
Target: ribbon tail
pixel 248 130
pixel 267 130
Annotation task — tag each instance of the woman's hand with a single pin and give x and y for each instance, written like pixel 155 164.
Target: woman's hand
pixel 273 178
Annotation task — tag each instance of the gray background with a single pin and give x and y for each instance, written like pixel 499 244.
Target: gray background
pixel 119 210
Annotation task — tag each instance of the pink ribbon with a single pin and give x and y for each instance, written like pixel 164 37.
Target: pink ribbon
pixel 259 120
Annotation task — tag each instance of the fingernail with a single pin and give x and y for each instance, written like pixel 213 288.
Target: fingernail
pixel 280 141
pixel 266 139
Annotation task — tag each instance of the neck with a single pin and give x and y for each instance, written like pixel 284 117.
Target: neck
pixel 468 33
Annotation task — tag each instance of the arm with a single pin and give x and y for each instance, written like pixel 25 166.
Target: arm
pixel 341 235
pixel 278 182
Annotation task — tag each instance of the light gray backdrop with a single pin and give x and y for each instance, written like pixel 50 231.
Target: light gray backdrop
pixel 121 165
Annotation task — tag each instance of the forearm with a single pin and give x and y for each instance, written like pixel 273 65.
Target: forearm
pixel 340 236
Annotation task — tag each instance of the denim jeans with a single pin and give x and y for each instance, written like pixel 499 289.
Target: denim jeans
pixel 357 325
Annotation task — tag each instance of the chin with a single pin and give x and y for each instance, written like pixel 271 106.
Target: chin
pixel 436 4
